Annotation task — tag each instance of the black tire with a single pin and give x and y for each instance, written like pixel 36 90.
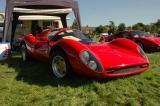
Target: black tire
pixel 60 65
pixel 24 53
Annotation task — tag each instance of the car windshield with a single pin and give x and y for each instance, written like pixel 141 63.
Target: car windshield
pixel 76 33
pixel 140 34
pixel 71 34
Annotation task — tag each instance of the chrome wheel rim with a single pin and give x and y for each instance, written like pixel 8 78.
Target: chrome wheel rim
pixel 59 66
pixel 23 51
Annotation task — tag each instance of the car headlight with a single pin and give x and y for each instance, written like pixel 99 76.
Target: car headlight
pixel 140 50
pixel 92 64
pixel 88 59
pixel 85 57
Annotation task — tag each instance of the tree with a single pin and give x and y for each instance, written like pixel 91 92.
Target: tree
pixel 101 29
pixel 112 27
pixel 158 23
pixel 121 27
pixel 158 32
pixel 148 28
pixel 154 28
pixel 75 24
pixel 139 26
pixel 129 28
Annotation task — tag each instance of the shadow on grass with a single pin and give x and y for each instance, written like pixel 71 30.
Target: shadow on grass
pixel 38 73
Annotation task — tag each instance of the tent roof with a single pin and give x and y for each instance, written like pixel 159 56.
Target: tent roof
pixel 43 11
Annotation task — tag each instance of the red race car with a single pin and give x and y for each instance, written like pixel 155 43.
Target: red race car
pixel 69 50
pixel 143 39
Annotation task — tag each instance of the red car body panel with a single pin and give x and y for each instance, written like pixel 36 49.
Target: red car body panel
pixel 149 43
pixel 116 58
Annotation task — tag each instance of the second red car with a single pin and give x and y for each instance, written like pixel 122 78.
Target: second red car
pixel 143 39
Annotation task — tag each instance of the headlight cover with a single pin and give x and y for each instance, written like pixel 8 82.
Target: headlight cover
pixel 85 57
pixel 140 50
pixel 93 65
pixel 88 59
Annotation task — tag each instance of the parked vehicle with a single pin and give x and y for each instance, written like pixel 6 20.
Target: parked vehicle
pixel 67 50
pixel 102 37
pixel 145 40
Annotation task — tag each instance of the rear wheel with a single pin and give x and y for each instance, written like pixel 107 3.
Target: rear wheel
pixel 24 53
pixel 60 65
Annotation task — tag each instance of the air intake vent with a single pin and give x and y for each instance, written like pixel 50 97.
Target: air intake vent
pixel 123 70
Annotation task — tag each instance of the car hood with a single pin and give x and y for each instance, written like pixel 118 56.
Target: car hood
pixel 111 57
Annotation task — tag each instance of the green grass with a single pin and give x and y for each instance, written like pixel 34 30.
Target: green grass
pixel 32 84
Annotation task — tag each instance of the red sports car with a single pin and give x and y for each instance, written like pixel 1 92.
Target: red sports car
pixel 143 39
pixel 69 50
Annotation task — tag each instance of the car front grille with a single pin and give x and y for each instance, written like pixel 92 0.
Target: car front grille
pixel 125 70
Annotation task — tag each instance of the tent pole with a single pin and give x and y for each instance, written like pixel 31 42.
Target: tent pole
pixel 64 22
pixel 14 25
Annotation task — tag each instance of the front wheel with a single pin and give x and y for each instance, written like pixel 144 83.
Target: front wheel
pixel 60 65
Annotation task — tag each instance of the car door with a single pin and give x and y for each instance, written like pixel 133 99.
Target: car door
pixel 42 50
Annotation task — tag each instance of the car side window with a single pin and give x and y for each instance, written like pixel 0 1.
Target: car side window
pixel 123 35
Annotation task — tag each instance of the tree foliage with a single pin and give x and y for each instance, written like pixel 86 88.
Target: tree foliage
pixel 121 27
pixel 101 29
pixel 75 24
pixel 112 28
pixel 139 26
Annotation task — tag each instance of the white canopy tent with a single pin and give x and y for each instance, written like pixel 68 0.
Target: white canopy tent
pixel 16 8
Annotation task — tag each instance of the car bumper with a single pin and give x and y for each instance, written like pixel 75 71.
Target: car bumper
pixel 111 71
pixel 116 73
pixel 108 75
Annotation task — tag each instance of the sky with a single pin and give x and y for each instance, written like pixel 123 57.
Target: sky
pixel 97 12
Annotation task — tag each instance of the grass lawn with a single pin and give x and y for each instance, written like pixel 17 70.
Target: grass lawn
pixel 32 84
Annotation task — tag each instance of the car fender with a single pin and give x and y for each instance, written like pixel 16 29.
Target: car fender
pixel 72 49
pixel 124 44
